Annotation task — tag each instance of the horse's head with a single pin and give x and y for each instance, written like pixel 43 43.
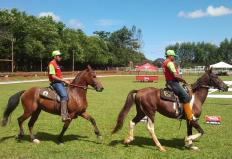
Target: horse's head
pixel 91 79
pixel 213 80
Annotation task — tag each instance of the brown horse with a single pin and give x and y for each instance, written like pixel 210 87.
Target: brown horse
pixel 33 104
pixel 148 101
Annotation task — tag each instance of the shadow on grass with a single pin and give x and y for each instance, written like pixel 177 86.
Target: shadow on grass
pixel 43 136
pixel 143 141
pixel 6 138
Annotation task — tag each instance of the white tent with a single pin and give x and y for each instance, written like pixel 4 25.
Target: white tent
pixel 221 65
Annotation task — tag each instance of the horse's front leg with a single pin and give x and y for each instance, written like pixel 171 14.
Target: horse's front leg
pixel 190 138
pixel 65 127
pixel 189 128
pixel 188 141
pixel 198 128
pixel 31 123
pixel 88 117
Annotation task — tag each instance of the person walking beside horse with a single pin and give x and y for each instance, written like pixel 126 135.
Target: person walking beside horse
pixel 173 78
pixel 57 82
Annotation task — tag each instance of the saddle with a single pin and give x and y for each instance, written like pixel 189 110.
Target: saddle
pixel 168 95
pixel 49 93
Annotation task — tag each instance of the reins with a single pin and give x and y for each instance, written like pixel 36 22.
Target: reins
pixel 205 86
pixel 78 86
pixel 83 87
pixel 198 84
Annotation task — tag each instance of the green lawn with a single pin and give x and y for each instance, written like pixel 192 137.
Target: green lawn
pixel 81 142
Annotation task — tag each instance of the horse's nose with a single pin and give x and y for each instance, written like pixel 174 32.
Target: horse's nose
pixel 225 88
pixel 101 89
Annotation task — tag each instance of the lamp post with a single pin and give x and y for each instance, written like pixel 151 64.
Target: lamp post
pixel 73 60
pixel 12 54
pixel 41 63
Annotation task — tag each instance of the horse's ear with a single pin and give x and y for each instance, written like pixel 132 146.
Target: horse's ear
pixel 206 68
pixel 89 67
pixel 210 70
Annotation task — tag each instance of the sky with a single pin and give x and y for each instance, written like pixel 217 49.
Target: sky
pixel 163 22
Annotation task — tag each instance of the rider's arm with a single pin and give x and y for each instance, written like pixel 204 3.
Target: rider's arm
pixel 53 74
pixel 172 69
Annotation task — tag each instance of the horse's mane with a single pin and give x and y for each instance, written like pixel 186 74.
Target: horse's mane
pixel 78 76
pixel 198 83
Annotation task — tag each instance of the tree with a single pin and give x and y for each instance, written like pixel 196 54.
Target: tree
pixel 124 44
pixel 158 62
pixel 37 37
pixel 192 54
pixel 96 51
pixel 225 51
pixel 102 34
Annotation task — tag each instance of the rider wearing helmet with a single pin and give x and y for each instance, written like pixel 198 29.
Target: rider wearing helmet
pixel 57 82
pixel 173 78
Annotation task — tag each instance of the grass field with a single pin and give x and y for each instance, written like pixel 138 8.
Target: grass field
pixel 81 142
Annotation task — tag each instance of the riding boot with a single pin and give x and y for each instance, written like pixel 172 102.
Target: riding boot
pixel 188 112
pixel 64 111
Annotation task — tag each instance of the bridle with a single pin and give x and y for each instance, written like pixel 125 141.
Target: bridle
pixel 210 83
pixel 200 85
pixel 82 87
pixel 205 86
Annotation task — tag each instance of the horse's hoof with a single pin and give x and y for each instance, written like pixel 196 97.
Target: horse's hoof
pixel 19 137
pixel 128 141
pixel 191 147
pixel 195 148
pixel 61 143
pixel 162 149
pixel 36 141
pixel 99 139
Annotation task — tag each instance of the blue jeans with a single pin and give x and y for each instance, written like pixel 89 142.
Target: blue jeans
pixel 179 91
pixel 60 90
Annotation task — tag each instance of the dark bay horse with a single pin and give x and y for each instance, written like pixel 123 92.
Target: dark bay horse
pixel 148 102
pixel 33 104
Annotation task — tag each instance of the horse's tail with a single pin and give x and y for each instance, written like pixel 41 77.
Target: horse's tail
pixel 11 105
pixel 126 108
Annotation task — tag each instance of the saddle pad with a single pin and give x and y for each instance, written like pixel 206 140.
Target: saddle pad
pixel 168 95
pixel 49 93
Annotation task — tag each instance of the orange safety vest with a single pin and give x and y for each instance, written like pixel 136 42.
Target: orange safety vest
pixel 57 70
pixel 167 73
